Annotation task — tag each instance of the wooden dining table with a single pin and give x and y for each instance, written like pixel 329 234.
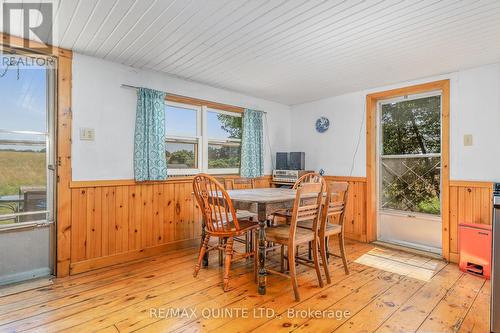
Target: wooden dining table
pixel 263 202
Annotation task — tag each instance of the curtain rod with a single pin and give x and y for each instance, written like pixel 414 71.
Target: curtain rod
pixel 135 87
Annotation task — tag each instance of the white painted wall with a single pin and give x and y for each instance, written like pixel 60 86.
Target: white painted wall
pixel 100 103
pixel 475 109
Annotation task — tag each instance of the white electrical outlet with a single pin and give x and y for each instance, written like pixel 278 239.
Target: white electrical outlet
pixel 468 140
pixel 87 134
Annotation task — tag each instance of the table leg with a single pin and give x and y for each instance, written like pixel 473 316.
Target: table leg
pixel 205 257
pixel 262 257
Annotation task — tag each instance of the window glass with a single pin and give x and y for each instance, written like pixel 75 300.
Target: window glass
pixel 410 168
pixel 412 127
pixel 180 121
pixel 217 146
pixel 223 125
pixel 222 156
pixel 23 143
pixel 23 92
pixel 182 155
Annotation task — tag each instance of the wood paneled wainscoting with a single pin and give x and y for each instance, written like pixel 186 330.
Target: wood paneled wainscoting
pixel 470 202
pixel 121 220
pixel 118 221
pixel 355 216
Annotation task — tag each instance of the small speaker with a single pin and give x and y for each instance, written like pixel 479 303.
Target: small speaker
pixel 297 161
pixel 282 161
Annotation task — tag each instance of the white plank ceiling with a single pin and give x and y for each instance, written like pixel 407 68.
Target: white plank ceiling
pixel 287 51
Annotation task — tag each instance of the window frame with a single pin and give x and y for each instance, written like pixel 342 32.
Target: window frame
pixel 187 139
pixel 209 140
pixel 202 139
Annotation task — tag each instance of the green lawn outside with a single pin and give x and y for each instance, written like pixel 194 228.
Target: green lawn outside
pixel 20 168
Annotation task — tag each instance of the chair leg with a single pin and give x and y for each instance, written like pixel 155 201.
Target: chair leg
pixel 327 246
pixel 342 252
pixel 250 234
pixel 309 251
pixel 227 262
pixel 255 256
pixel 322 245
pixel 282 258
pixel 316 261
pixel 247 246
pixel 203 250
pixel 221 242
pixel 203 234
pixel 293 274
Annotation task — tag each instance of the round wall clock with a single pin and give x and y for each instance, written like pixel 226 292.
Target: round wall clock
pixel 322 124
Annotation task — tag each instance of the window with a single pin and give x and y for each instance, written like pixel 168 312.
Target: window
pixel 410 159
pixel 183 138
pixel 224 141
pixel 202 139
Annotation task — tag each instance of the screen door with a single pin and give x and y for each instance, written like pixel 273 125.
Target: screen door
pixel 26 168
pixel 409 169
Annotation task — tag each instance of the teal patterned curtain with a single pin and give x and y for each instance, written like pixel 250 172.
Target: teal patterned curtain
pixel 252 145
pixel 150 162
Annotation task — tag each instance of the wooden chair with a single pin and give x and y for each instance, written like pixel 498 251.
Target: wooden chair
pixel 332 223
pixel 220 221
pixel 291 236
pixel 311 177
pixel 307 178
pixel 239 183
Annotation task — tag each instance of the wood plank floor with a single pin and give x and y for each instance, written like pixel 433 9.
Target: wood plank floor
pixel 387 291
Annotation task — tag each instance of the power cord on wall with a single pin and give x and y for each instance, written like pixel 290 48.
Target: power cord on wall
pixel 359 141
pixel 269 141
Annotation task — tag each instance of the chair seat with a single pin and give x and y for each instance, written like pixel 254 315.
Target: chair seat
pixel 246 225
pixel 331 229
pixel 281 234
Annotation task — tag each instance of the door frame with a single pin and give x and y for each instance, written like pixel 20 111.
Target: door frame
pixel 371 155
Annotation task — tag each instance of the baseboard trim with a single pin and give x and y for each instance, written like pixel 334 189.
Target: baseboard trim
pixel 454 257
pixel 96 263
pixel 356 237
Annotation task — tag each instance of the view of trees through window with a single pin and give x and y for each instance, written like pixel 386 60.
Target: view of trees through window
pixel 410 163
pixel 181 155
pixel 224 135
pixel 225 155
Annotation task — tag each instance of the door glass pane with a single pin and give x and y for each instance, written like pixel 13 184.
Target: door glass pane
pixel 411 184
pixel 23 92
pixel 223 126
pixel 23 144
pixel 410 163
pixel 180 121
pixel 222 156
pixel 23 178
pixel 412 127
pixel 182 155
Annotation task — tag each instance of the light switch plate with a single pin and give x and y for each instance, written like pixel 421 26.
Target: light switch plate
pixel 468 140
pixel 87 134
